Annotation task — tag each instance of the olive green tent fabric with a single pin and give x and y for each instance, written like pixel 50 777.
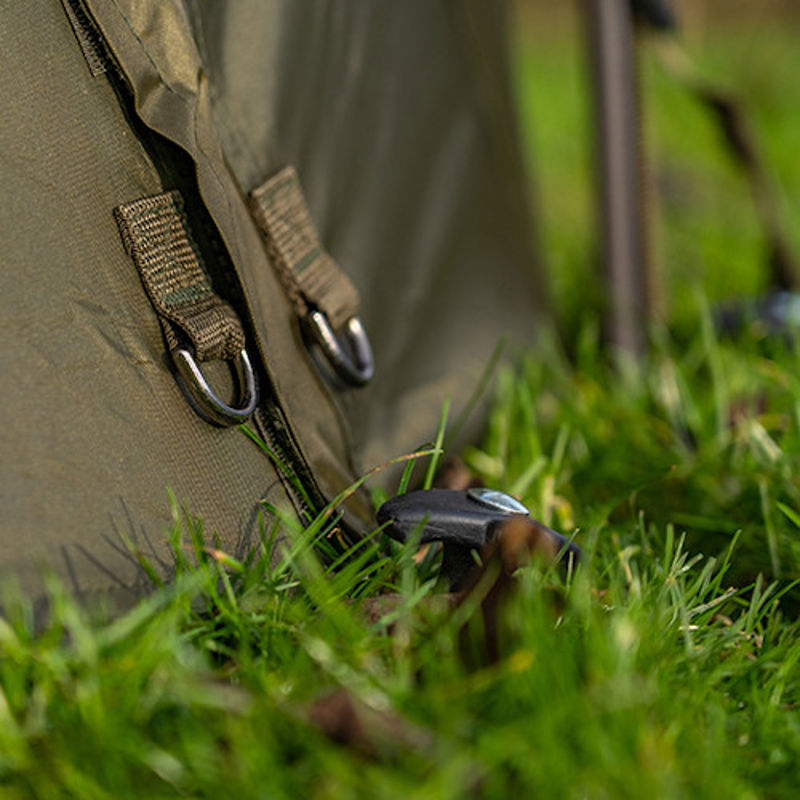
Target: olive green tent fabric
pixel 395 116
pixel 94 427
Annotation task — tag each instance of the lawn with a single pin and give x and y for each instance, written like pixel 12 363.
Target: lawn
pixel 666 665
pixel 705 229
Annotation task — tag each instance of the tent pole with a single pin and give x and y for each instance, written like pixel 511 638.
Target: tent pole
pixel 612 64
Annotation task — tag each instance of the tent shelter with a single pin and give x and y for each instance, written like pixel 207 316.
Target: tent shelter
pixel 151 230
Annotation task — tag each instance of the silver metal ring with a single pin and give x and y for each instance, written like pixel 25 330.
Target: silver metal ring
pixel 208 403
pixel 358 369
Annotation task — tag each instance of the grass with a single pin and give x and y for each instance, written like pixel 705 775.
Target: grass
pixel 705 228
pixel 665 666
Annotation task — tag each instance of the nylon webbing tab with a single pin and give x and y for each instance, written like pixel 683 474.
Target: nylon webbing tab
pixel 308 273
pixel 324 298
pixel 156 236
pixel 198 325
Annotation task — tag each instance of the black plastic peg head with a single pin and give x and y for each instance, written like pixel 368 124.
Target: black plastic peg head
pixel 462 521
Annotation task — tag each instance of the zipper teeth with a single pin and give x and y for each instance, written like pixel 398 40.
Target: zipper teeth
pixel 267 431
pixel 89 38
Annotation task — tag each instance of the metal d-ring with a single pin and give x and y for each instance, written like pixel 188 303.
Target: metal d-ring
pixel 207 401
pixel 356 369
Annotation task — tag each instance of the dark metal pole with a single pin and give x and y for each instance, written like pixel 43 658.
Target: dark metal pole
pixel 613 71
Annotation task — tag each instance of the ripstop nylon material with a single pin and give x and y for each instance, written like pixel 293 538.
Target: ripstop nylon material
pixel 411 182
pixel 156 236
pixel 154 47
pixel 403 170
pixel 307 272
pixel 102 428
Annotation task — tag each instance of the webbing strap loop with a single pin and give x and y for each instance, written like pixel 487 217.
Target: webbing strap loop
pixel 198 325
pixel 309 275
pixel 323 297
pixel 156 236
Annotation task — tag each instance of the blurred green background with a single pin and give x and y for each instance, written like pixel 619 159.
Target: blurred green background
pixel 706 234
